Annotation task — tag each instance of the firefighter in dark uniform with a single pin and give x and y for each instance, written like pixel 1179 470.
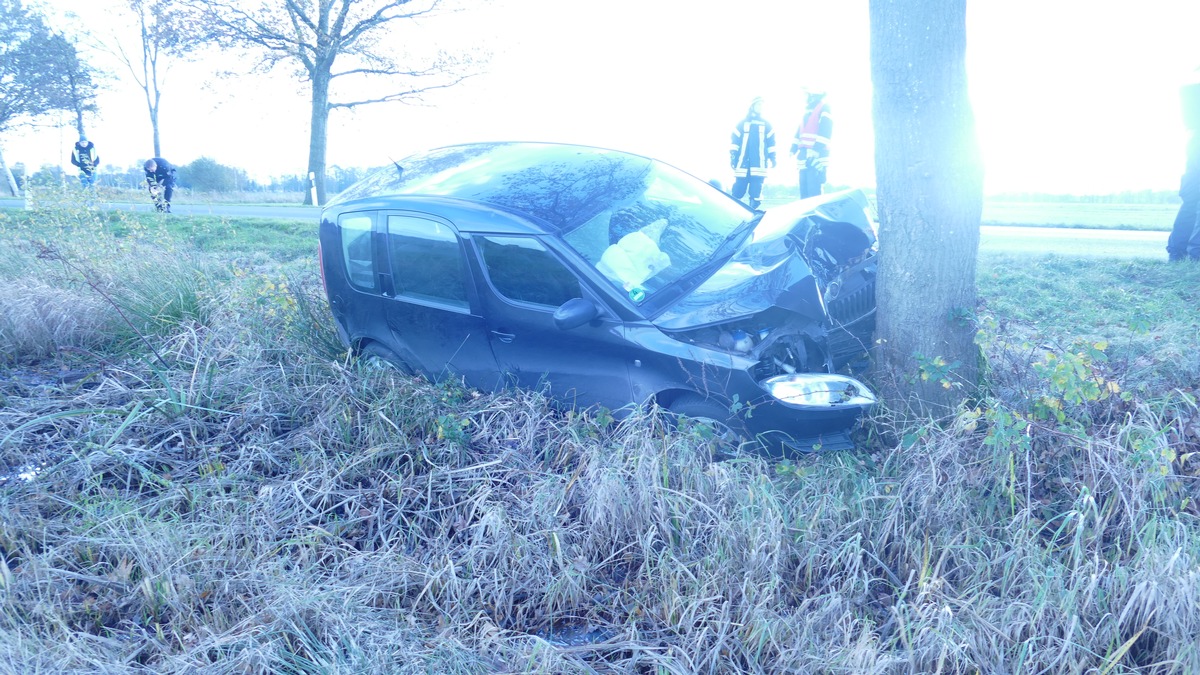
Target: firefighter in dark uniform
pixel 160 178
pixel 751 152
pixel 1184 241
pixel 811 144
pixel 87 159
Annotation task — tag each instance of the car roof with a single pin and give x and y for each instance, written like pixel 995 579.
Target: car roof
pixel 467 216
pixel 547 188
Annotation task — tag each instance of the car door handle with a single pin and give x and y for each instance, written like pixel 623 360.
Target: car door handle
pixel 504 337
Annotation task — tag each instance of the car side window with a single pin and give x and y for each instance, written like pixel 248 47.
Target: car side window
pixel 426 260
pixel 522 269
pixel 357 253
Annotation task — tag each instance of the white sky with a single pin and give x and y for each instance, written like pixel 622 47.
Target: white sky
pixel 1076 96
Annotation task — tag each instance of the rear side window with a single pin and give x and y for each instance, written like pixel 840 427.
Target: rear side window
pixel 357 254
pixel 522 269
pixel 427 261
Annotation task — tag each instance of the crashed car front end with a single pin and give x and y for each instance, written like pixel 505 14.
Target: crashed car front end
pixel 795 307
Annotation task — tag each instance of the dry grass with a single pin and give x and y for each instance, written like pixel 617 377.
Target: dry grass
pixel 253 502
pixel 38 319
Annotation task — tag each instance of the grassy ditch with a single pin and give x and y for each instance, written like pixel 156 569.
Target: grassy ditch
pixel 215 487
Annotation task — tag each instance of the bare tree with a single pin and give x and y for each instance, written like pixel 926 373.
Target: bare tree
pixel 163 33
pixel 334 44
pixel 81 81
pixel 930 198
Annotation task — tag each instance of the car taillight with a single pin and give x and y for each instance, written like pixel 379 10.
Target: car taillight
pixel 321 264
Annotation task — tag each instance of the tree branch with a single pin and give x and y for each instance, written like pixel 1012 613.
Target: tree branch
pixel 396 97
pixel 379 18
pixel 388 72
pixel 243 26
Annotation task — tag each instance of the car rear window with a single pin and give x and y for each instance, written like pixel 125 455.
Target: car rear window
pixel 357 254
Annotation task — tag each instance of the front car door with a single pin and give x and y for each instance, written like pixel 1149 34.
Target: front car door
pixel 527 283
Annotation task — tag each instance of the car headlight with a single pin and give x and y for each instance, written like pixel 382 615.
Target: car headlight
pixel 819 390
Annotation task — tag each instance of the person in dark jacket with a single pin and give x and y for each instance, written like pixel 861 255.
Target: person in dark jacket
pixel 160 178
pixel 811 144
pixel 751 152
pixel 87 159
pixel 1184 240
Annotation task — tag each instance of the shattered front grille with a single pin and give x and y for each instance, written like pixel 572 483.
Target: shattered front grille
pixel 852 324
pixel 847 345
pixel 849 307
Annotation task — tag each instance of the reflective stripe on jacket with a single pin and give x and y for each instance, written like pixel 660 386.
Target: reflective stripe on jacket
pixel 751 147
pixel 90 158
pixel 814 133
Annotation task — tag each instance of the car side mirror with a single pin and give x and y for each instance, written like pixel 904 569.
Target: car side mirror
pixel 575 313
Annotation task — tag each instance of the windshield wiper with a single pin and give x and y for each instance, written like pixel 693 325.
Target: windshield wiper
pixel 731 244
pixel 719 257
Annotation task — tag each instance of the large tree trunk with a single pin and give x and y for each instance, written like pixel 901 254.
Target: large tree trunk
pixel 930 197
pixel 318 135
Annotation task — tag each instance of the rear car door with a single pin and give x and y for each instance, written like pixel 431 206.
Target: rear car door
pixel 433 311
pixel 527 282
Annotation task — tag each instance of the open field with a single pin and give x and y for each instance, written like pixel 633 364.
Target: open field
pixel 211 485
pixel 1081 215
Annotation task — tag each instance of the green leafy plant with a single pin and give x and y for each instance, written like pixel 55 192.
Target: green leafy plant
pixel 937 369
pixel 1073 378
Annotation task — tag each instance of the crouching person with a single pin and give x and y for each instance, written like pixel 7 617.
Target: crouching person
pixel 160 178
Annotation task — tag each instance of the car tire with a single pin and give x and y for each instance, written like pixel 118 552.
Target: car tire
pixel 725 426
pixel 375 356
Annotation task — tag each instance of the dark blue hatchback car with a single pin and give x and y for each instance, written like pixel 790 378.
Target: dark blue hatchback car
pixel 609 279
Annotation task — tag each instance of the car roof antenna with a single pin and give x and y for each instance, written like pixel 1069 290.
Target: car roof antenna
pixel 399 169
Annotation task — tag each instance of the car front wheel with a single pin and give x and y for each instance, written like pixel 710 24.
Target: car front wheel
pixel 715 421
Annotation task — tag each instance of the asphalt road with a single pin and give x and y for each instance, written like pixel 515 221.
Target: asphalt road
pixel 1005 239
pixel 1120 244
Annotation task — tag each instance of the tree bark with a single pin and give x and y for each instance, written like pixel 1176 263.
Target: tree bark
pixel 318 135
pixel 930 198
pixel 153 97
pixel 152 38
pixel 154 127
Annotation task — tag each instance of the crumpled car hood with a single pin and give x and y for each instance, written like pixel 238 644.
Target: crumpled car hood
pixel 770 269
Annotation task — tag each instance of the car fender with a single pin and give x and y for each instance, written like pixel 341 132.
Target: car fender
pixel 663 365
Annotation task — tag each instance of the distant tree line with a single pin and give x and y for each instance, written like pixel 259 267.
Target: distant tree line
pixel 201 175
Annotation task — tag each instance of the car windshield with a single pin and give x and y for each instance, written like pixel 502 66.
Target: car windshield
pixel 661 233
pixel 642 224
